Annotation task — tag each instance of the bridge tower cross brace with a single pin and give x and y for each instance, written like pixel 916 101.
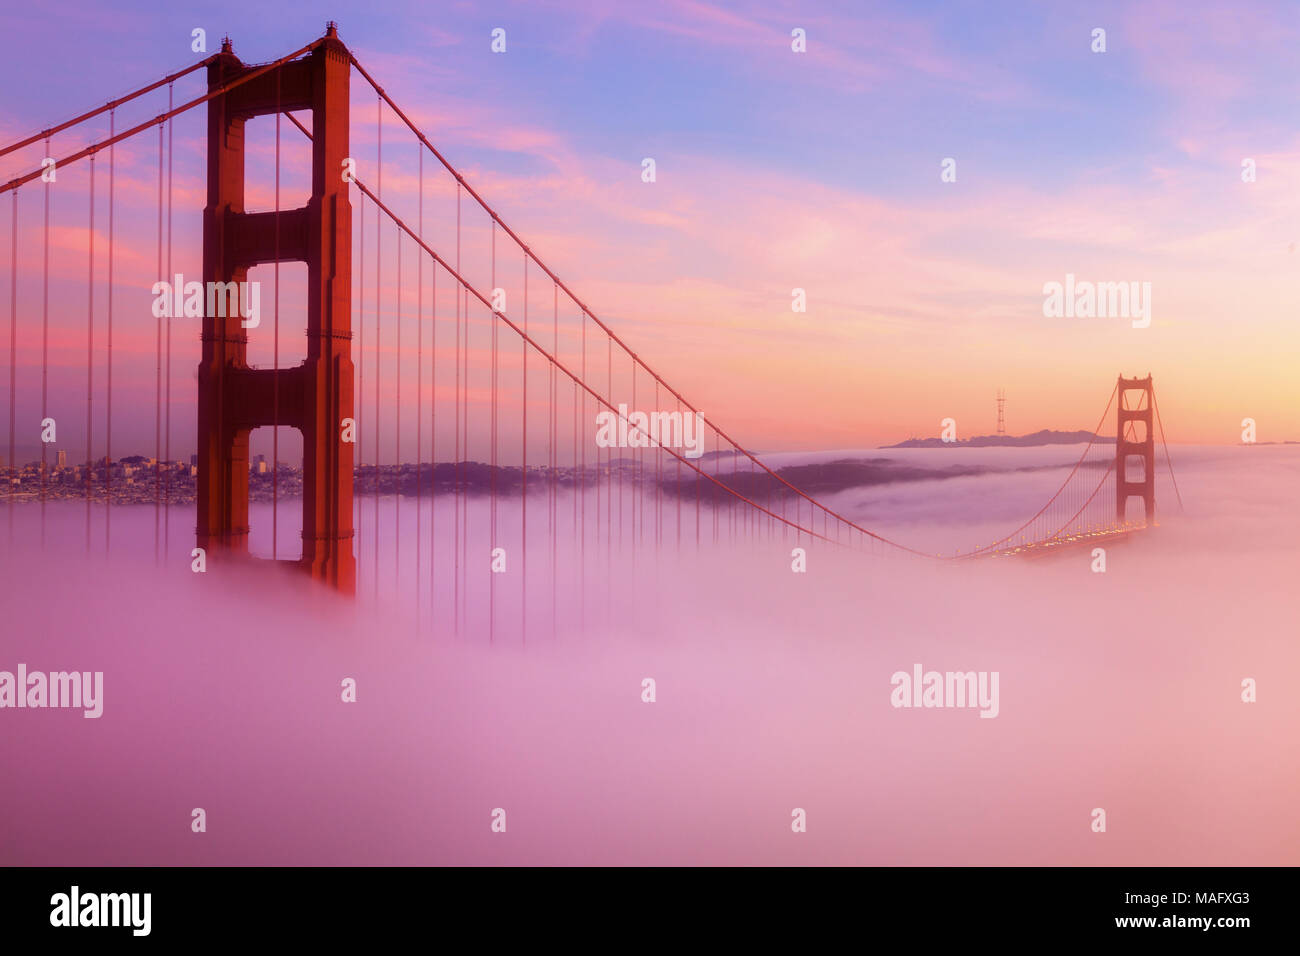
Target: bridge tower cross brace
pixel 316 397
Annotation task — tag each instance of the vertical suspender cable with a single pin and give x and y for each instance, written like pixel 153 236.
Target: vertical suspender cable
pixel 677 496
pixel 433 440
pixel 456 453
pixel 464 430
pixel 90 347
pixel 609 462
pixel 397 448
pixel 357 508
pixel 455 596
pixel 167 444
pixel 523 475
pixel 108 415
pixel 582 608
pixel 492 431
pixel 379 278
pixel 45 348
pixel 554 451
pixel 275 349
pixel 582 475
pixel 13 355
pixel 1168 462
pixel 158 336
pixel 636 474
pixel 419 387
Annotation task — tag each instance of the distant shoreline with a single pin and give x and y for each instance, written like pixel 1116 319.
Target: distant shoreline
pixel 1045 437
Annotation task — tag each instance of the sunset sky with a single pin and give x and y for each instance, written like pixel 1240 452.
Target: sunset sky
pixel 775 170
pixel 647 657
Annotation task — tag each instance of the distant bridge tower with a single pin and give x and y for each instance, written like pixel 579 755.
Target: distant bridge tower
pixel 316 396
pixel 1002 421
pixel 1134 438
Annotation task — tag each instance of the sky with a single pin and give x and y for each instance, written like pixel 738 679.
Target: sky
pixel 775 170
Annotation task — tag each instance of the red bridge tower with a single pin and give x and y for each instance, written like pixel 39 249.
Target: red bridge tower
pixel 1134 438
pixel 316 396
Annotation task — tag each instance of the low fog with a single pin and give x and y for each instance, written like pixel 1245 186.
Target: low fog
pixel 1119 690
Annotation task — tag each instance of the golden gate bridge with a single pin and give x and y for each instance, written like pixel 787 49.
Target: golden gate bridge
pixel 503 385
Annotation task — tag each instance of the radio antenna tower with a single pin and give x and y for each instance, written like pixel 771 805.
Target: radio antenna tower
pixel 1002 420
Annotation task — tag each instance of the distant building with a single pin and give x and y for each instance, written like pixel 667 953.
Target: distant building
pixel 62 459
